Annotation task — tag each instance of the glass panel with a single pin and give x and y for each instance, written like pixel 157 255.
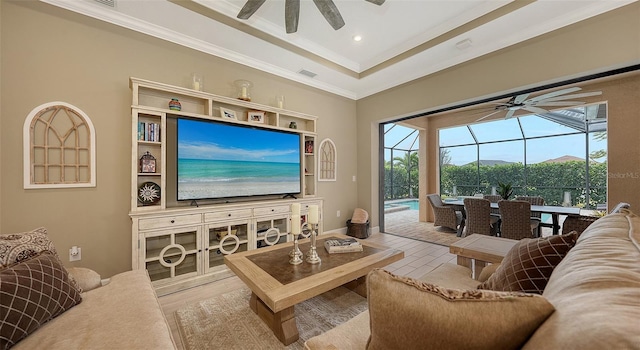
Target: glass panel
pixel 499 130
pixel 157 271
pixel 188 265
pixel 400 137
pixel 188 240
pixel 534 126
pixel 155 244
pixel 241 231
pixel 455 136
pixel 501 162
pixel 460 176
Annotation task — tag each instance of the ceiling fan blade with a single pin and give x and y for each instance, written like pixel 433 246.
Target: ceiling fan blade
pixel 488 115
pixel 330 13
pixel 585 94
pixel 377 2
pixel 510 113
pixel 558 103
pixel 520 98
pixel 249 8
pixel 291 15
pixel 554 94
pixel 535 110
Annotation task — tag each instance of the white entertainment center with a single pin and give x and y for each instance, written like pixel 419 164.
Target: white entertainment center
pixel 183 243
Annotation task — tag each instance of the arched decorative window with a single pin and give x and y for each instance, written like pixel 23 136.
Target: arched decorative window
pixel 327 160
pixel 59 146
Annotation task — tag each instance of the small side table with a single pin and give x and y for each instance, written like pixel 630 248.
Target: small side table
pixel 476 250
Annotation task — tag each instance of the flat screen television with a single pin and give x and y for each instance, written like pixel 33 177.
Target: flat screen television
pixel 218 160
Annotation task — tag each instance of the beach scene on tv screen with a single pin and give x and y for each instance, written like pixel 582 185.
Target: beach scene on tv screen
pixel 217 160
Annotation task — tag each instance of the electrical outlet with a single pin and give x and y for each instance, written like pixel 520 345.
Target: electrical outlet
pixel 338 213
pixel 75 253
pixel 353 178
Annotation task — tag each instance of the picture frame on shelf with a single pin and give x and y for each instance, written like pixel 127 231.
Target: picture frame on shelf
pixel 256 116
pixel 147 163
pixel 227 113
pixel 308 147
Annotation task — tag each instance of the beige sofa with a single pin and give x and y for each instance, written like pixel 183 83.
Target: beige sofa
pixel 595 291
pixel 123 314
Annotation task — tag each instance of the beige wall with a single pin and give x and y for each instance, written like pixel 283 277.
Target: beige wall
pixel 598 44
pixel 49 54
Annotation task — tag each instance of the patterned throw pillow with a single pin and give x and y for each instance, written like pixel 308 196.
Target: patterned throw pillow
pixel 529 264
pixel 15 247
pixel 409 314
pixel 33 292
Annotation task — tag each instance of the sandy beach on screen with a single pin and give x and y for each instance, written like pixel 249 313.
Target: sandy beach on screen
pixel 191 190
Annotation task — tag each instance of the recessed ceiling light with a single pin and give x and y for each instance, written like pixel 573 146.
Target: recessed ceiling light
pixel 357 38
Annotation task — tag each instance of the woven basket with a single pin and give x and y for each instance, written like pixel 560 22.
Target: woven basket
pixel 358 230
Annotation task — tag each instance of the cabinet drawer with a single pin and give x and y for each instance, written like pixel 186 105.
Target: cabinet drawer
pixel 280 209
pixel 169 221
pixel 227 214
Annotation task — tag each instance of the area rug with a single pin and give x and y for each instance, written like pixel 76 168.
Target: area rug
pixel 406 224
pixel 227 322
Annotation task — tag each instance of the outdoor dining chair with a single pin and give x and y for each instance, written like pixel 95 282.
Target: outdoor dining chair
pixel 533 200
pixel 517 222
pixel 478 217
pixel 444 215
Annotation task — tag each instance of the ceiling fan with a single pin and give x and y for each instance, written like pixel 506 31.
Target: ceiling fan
pixel 552 99
pixel 292 12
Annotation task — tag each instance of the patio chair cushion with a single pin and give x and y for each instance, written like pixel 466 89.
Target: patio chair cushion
pixel 406 313
pixel 529 264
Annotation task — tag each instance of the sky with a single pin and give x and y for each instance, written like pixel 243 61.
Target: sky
pixel 538 149
pixel 224 141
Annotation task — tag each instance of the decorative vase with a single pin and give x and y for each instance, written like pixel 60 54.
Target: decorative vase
pixel 293 125
pixel 175 105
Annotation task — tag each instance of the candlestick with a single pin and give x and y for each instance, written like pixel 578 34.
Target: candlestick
pixel 312 256
pixel 295 209
pixel 295 224
pixel 313 214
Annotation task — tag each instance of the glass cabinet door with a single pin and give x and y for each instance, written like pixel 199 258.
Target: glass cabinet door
pixel 172 253
pixel 271 231
pixel 223 239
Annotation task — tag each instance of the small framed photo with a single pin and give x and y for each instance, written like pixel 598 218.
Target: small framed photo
pixel 227 113
pixel 256 116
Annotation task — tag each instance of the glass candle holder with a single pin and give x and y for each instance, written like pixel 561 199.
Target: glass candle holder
pixel 243 89
pixel 197 82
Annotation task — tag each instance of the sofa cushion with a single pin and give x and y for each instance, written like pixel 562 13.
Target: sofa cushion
pixel 528 265
pixel 409 314
pixel 15 247
pixel 33 292
pixel 123 314
pixel 596 290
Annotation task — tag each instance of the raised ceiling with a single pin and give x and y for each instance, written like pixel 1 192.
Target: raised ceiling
pixel 402 40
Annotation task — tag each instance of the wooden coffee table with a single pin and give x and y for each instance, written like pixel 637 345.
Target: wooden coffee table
pixel 276 286
pixel 476 250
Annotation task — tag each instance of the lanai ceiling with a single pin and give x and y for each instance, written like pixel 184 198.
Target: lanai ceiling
pixel 401 39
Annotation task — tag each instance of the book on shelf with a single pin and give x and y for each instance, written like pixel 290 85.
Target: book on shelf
pixel 342 245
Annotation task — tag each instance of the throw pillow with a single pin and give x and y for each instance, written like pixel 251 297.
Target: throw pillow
pixel 15 247
pixel 360 216
pixel 33 292
pixel 529 264
pixel 408 314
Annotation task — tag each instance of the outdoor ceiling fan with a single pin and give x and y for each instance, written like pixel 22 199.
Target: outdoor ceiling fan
pixel 292 12
pixel 552 99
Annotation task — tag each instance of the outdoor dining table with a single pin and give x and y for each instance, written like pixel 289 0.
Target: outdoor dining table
pixel 554 210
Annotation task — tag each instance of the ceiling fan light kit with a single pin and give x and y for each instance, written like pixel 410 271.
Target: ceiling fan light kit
pixel 292 12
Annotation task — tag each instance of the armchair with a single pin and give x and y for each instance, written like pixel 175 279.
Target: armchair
pixel 444 215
